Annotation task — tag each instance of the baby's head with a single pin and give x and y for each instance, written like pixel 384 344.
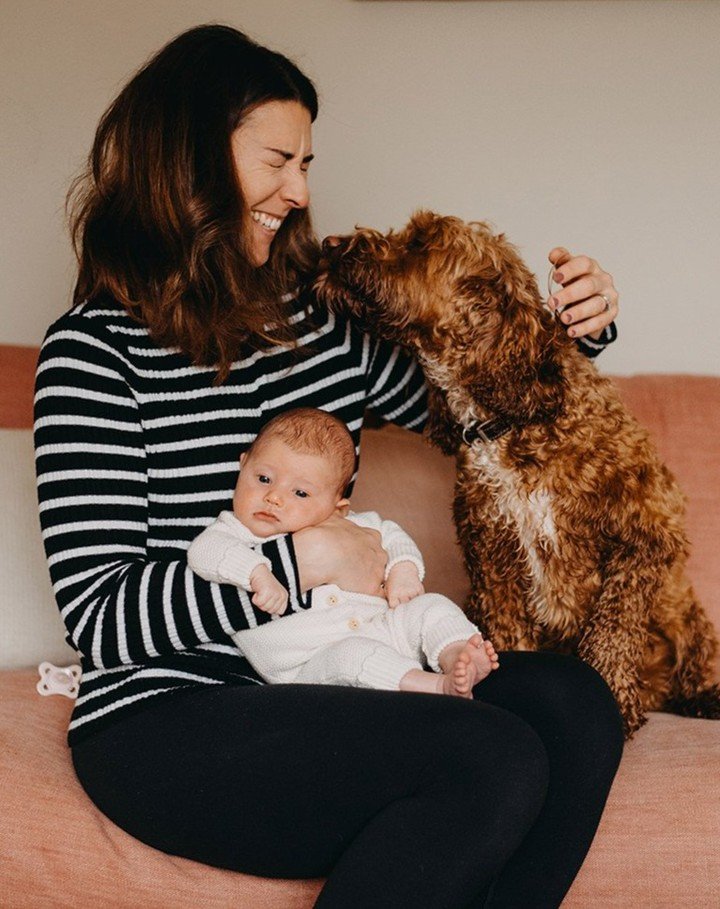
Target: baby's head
pixel 295 473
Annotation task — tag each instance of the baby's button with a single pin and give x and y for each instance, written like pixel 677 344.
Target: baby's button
pixel 63 680
pixel 332 600
pixel 353 624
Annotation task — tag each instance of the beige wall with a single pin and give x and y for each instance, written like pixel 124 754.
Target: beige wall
pixel 591 124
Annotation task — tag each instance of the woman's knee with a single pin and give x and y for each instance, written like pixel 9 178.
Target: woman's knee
pixel 492 744
pixel 520 755
pixel 582 693
pixel 563 692
pixel 515 777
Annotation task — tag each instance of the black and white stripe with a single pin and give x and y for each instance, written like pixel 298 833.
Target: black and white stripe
pixel 136 452
pixel 591 347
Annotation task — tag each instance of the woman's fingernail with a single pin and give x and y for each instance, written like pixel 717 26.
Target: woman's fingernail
pixel 572 332
pixel 554 302
pixel 559 277
pixel 567 318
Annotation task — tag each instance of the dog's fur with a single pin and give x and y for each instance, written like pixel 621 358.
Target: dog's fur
pixel 572 528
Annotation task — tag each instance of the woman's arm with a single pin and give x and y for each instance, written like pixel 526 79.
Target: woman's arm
pixel 119 606
pixel 395 386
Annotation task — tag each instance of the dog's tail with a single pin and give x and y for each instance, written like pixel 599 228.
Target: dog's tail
pixel 694 693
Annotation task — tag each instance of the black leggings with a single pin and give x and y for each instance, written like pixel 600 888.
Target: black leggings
pixel 401 800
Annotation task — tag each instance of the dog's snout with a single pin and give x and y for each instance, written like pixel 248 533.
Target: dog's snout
pixel 332 246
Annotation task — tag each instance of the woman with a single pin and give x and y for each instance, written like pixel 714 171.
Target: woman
pixel 192 229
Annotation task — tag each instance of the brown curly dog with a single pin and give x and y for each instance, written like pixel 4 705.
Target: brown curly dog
pixel 572 528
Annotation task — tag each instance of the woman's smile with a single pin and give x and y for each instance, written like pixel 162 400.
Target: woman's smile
pixel 270 223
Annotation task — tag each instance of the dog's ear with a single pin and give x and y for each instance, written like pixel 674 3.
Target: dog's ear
pixel 512 363
pixel 441 428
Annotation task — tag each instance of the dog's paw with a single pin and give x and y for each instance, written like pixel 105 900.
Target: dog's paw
pixel 629 701
pixel 633 718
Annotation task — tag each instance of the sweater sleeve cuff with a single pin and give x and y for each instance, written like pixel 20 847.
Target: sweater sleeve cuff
pixel 405 557
pixel 238 563
pixel 591 347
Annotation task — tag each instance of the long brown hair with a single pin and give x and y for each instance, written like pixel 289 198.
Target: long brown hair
pixel 156 218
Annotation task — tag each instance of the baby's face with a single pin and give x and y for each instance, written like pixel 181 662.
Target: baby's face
pixel 280 490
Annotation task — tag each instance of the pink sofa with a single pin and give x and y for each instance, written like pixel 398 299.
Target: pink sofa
pixel 658 843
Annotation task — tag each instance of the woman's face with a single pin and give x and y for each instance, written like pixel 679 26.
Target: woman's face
pixel 272 154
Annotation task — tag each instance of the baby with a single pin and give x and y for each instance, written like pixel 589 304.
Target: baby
pixel 294 476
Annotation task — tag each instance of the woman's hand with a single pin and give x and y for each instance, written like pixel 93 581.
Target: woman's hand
pixel 339 552
pixel 588 298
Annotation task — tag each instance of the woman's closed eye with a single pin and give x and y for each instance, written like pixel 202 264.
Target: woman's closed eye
pixel 278 164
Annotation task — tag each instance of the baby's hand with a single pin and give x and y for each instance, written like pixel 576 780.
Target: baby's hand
pixel 269 593
pixel 403 583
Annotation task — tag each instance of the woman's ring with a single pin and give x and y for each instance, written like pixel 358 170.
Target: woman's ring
pixel 607 302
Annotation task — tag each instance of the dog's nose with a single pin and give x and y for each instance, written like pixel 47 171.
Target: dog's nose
pixel 331 246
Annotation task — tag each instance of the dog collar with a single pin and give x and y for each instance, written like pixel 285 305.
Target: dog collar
pixel 487 431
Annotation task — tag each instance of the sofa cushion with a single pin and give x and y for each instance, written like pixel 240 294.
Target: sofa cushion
pixel 657 843
pixel 683 415
pixel 654 847
pixel 32 629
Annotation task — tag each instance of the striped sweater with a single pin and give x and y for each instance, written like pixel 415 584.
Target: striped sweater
pixel 137 451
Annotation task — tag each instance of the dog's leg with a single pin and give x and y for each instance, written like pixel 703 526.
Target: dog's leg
pixel 499 577
pixel 615 636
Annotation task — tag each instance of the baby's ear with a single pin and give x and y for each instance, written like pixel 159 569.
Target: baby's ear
pixel 242 458
pixel 342 507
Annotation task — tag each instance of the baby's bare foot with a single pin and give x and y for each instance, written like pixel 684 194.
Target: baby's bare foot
pixel 474 662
